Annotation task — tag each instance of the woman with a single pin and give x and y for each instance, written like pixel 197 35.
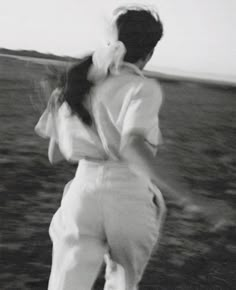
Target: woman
pixel 106 118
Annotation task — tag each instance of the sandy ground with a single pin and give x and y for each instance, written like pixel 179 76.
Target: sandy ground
pixel 198 125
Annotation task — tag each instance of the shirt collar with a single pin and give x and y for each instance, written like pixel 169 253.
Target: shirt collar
pixel 132 67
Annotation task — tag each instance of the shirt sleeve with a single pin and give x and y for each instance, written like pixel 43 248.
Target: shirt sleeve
pixel 47 124
pixel 142 113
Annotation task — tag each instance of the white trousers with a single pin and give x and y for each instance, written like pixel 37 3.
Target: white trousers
pixel 106 209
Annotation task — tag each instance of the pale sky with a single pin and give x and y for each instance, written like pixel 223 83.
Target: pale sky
pixel 199 34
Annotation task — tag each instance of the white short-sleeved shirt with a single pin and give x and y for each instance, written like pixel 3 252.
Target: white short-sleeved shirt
pixel 122 105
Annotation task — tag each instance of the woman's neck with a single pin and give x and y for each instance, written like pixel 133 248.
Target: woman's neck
pixel 132 68
pixel 140 64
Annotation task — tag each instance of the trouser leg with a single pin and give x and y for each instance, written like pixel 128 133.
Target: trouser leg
pixel 78 243
pixel 114 275
pixel 132 228
pixel 76 264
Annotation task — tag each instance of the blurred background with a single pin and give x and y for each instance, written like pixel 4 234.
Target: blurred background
pixel 199 35
pixel 195 64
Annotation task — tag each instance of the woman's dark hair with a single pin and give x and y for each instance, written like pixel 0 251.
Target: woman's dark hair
pixel 76 87
pixel 140 31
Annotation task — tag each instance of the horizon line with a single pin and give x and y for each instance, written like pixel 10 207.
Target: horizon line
pixel 161 71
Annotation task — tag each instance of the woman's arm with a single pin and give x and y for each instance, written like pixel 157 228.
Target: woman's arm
pixel 217 213
pixel 137 152
pixel 54 153
pixel 140 116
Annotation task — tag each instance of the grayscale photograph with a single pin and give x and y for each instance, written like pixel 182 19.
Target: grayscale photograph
pixel 118 145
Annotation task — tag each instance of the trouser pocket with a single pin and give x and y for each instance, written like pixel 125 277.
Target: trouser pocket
pixel 158 203
pixel 154 201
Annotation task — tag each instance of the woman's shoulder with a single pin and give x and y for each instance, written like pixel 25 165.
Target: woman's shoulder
pixel 135 76
pixel 149 89
pixel 151 85
pixel 127 82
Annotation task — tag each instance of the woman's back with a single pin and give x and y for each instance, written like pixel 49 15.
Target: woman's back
pixel 124 104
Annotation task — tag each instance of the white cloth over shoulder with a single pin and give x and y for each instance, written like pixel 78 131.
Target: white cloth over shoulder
pixel 124 104
pixel 75 140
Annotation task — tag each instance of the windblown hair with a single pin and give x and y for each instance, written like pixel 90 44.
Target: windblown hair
pixel 76 87
pixel 140 31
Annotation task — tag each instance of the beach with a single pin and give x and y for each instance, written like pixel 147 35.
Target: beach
pixel 199 136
